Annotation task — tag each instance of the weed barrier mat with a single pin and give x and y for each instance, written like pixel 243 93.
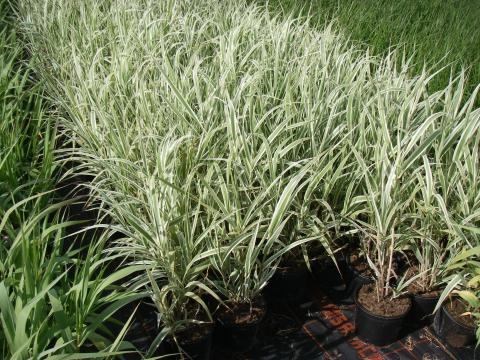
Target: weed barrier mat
pixel 319 327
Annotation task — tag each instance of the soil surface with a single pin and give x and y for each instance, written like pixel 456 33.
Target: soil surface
pixel 367 297
pixel 193 333
pixel 416 289
pixel 457 308
pixel 243 313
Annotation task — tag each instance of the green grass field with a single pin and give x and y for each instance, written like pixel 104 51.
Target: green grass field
pixel 436 32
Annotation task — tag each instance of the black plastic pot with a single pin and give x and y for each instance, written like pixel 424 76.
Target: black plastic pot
pixel 453 332
pixel 329 275
pixel 355 280
pixel 421 313
pixel 375 329
pixel 237 338
pixel 288 285
pixel 199 349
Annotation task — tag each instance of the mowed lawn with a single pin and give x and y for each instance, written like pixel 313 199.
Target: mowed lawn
pixel 435 32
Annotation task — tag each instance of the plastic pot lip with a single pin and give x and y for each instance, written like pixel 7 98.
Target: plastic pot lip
pixel 381 317
pixel 461 325
pixel 355 272
pixel 425 297
pixel 207 336
pixel 242 326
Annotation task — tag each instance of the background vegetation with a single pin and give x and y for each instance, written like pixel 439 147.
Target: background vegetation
pixel 27 135
pixel 438 33
pixel 56 296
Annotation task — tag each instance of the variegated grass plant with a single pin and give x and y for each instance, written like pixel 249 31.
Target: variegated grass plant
pixel 27 134
pixel 228 91
pixel 403 154
pixel 465 284
pixel 445 208
pixel 220 138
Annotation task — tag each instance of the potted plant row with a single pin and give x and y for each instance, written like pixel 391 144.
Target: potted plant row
pixel 210 265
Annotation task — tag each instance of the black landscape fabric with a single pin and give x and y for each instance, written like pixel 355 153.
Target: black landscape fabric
pixel 319 328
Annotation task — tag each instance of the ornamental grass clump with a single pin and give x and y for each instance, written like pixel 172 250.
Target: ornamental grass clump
pixel 415 194
pixel 220 139
pixel 250 95
pixel 430 243
pixel 166 230
pixel 383 214
pixel 445 205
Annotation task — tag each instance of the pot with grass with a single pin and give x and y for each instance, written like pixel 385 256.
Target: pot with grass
pixel 192 342
pixel 176 259
pixel 424 298
pixel 239 282
pixel 358 273
pixel 334 272
pixel 185 323
pixel 379 321
pixel 289 283
pixel 316 217
pixel 455 324
pixel 239 323
pixel 381 307
pixel 189 330
pixel 248 248
pixel 458 313
pixel 430 248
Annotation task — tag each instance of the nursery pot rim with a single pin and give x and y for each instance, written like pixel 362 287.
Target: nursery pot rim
pixel 208 325
pixel 460 324
pixel 423 296
pixel 369 278
pixel 364 309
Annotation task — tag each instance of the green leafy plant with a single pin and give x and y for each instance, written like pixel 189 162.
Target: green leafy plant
pixel 53 301
pixel 444 209
pixel 387 198
pixel 248 245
